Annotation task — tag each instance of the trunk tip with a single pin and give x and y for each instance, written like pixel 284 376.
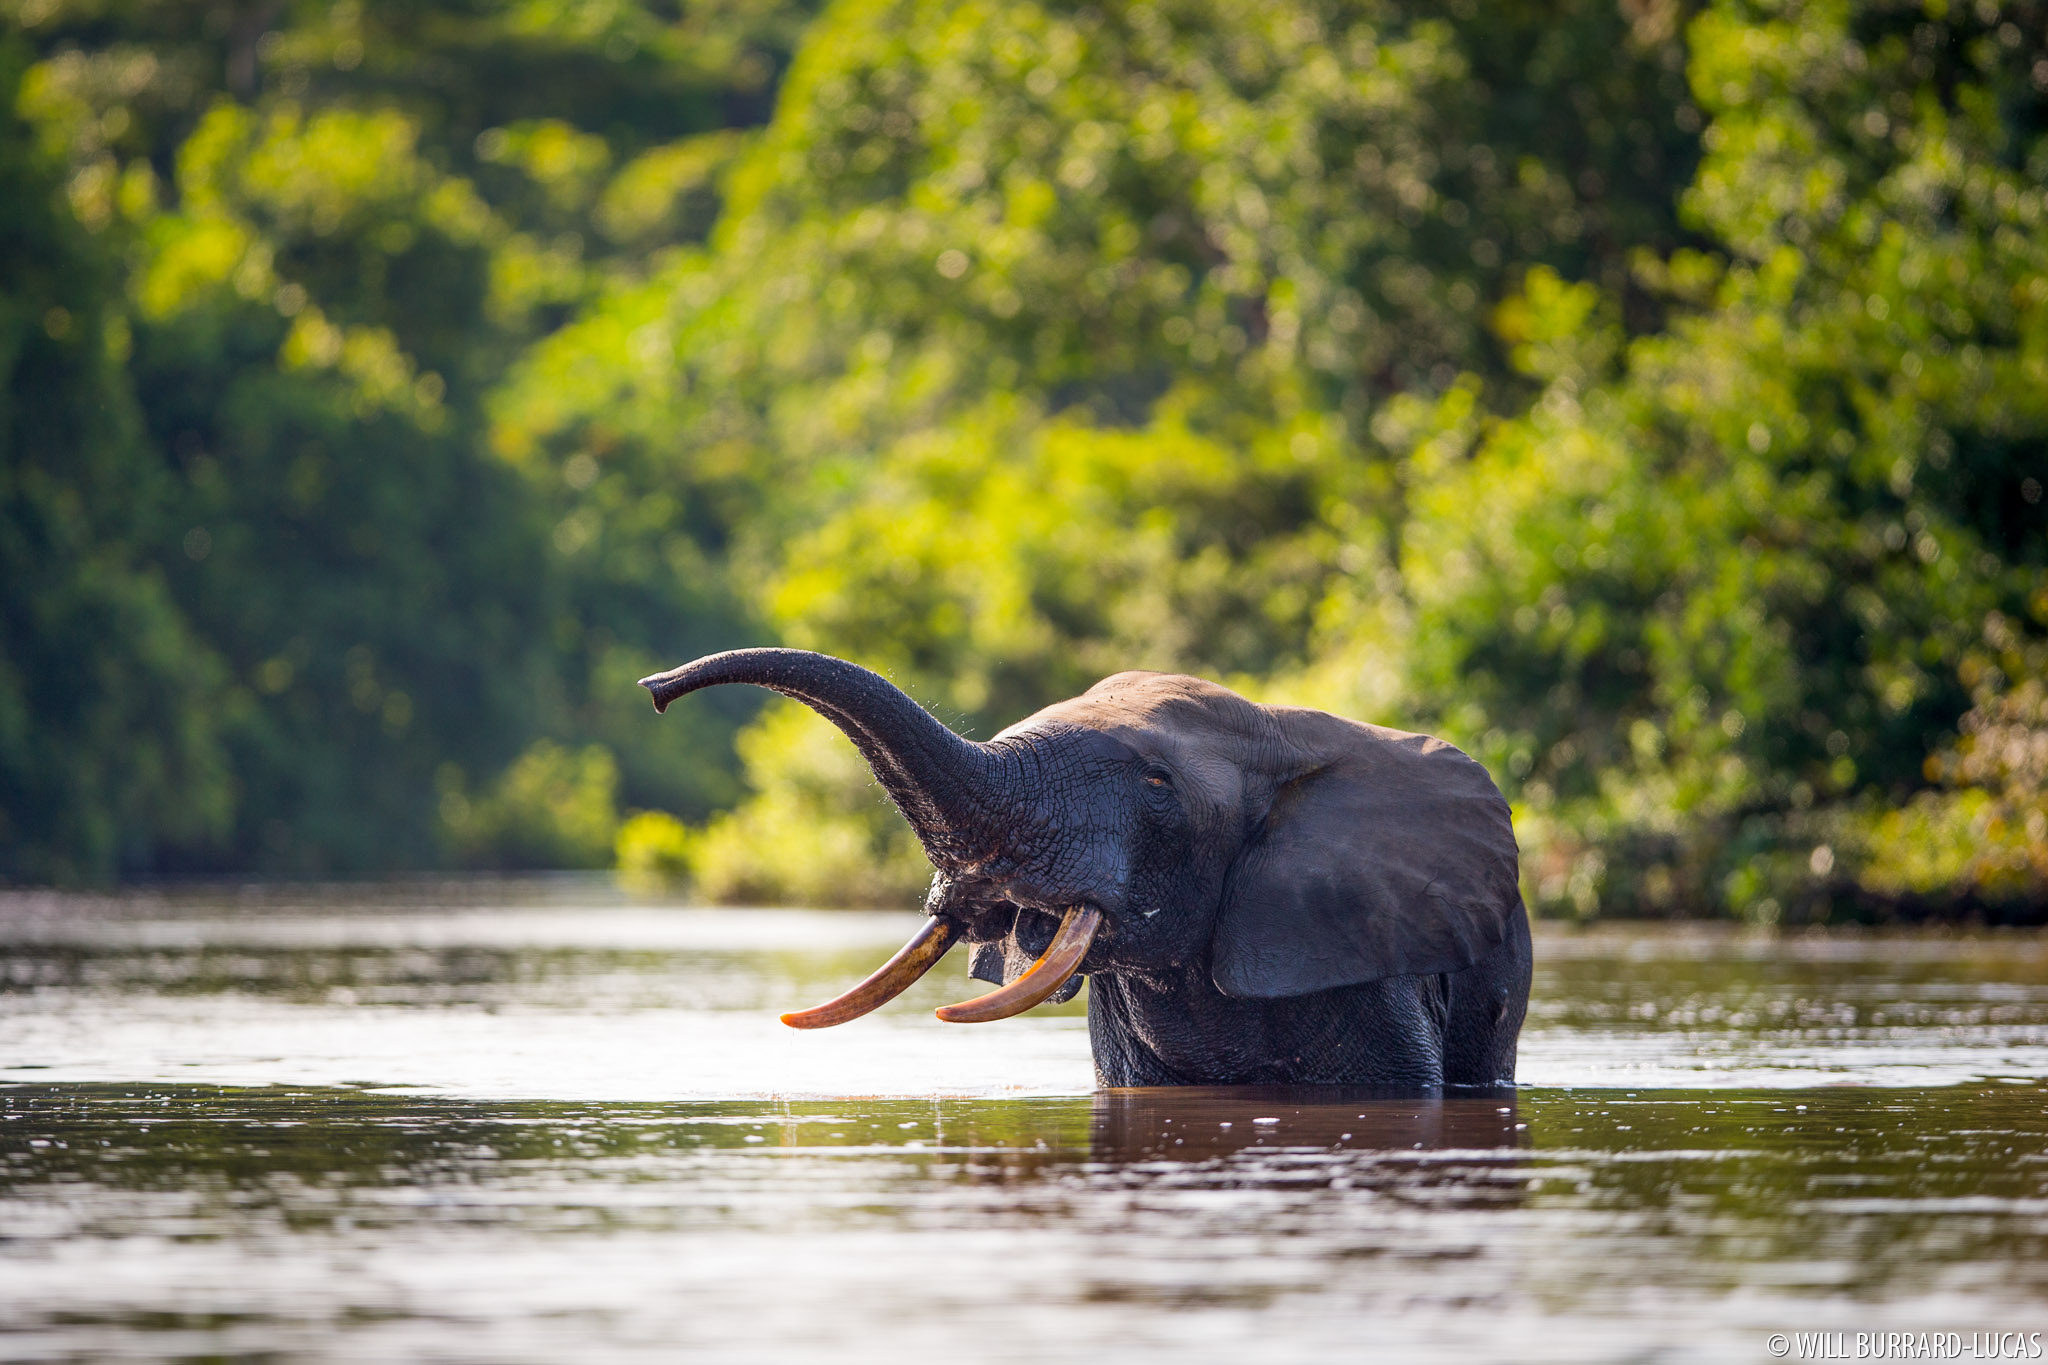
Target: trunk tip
pixel 652 683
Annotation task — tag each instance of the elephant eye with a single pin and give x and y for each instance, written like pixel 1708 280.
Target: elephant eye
pixel 1156 778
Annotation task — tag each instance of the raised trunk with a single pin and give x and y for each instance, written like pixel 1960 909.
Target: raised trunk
pixel 948 788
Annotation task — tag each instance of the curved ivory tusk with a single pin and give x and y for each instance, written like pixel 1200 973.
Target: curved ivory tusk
pixel 894 977
pixel 1041 979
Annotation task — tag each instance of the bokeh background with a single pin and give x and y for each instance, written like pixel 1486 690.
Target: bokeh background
pixel 1650 397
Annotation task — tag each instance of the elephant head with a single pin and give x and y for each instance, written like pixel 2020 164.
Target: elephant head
pixel 1164 829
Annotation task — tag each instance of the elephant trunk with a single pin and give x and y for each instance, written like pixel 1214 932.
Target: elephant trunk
pixel 951 790
pixel 948 788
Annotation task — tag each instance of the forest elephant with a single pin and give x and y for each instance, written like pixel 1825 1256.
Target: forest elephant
pixel 1256 894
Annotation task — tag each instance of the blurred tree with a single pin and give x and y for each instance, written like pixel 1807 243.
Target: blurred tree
pixel 815 834
pixel 554 808
pixel 1698 547
pixel 1005 561
pixel 1722 612
pixel 341 225
pixel 110 709
pixel 1650 398
pixel 1303 206
pixel 1229 232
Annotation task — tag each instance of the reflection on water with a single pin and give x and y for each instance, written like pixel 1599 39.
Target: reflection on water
pixel 544 1132
pixel 1197 1123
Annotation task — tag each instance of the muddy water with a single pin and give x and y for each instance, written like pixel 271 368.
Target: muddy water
pixel 490 1124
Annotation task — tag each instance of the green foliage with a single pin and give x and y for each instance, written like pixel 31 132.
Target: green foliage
pixel 553 808
pixel 1653 400
pixel 109 707
pixel 1051 341
pixel 1696 542
pixel 817 832
pixel 318 236
pixel 1270 211
pixel 1307 204
pixel 1985 831
pixel 325 488
pixel 1004 561
pixel 652 851
pixel 1718 612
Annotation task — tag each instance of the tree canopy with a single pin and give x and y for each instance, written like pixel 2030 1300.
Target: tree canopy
pixel 1652 399
pixel 290 611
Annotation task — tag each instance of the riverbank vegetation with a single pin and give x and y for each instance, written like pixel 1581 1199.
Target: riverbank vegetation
pixel 1652 399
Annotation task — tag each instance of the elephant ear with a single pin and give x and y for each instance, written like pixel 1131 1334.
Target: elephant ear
pixel 1383 854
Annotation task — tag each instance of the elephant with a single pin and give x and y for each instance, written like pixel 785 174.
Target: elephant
pixel 1257 895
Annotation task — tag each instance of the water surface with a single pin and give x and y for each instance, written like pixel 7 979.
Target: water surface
pixel 492 1124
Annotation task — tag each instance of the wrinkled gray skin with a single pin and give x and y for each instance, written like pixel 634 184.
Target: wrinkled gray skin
pixel 1288 897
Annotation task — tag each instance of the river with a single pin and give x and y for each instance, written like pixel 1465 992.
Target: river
pixel 537 1122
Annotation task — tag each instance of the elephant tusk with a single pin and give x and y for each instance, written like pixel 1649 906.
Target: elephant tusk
pixel 894 977
pixel 1041 979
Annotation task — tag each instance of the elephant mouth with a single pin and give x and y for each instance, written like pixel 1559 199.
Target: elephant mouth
pixel 1039 983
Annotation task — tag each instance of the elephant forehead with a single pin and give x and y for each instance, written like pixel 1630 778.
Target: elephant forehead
pixel 1144 709
pixel 1212 763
